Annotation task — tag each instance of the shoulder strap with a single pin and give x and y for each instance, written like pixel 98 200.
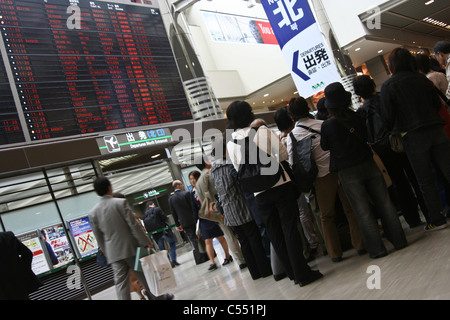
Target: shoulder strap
pixel 351 130
pixel 308 128
pixel 292 138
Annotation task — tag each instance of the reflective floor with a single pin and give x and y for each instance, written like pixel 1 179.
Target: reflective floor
pixel 419 271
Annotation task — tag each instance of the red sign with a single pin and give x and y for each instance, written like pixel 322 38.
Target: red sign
pixel 266 31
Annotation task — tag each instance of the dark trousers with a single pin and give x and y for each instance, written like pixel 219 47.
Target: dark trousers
pixel 279 211
pixel 403 182
pixel 190 232
pixel 364 186
pixel 252 249
pixel 425 147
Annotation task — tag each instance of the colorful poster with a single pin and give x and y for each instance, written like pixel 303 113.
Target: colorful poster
pixel 303 45
pixel 59 244
pixel 32 241
pixel 84 236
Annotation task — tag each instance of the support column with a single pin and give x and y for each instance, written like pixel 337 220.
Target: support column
pixel 378 70
pixel 342 60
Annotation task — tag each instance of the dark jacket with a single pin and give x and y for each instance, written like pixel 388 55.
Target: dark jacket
pixel 180 204
pixel 155 219
pixel 17 280
pixel 377 132
pixel 346 149
pixel 409 102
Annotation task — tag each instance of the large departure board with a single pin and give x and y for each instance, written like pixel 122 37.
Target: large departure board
pixel 10 127
pixel 80 67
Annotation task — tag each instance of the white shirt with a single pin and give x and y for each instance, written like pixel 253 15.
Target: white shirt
pixel 439 80
pixel 267 141
pixel 447 66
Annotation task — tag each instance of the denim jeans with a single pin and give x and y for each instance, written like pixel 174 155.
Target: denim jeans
pixel 424 147
pixel 173 246
pixel 365 187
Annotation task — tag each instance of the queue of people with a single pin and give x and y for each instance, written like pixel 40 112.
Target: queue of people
pixel 406 125
pixel 411 110
pixel 344 147
pixel 344 142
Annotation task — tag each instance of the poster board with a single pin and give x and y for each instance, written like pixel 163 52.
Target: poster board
pixel 56 236
pixel 32 241
pixel 83 236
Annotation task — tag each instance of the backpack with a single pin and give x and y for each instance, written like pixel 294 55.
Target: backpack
pixel 250 174
pixel 304 167
pixel 152 221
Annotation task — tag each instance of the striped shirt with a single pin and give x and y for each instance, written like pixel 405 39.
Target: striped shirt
pixel 232 199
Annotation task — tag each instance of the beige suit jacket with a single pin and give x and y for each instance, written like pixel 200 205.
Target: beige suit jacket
pixel 117 231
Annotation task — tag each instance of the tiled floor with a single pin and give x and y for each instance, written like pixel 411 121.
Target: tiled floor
pixel 419 271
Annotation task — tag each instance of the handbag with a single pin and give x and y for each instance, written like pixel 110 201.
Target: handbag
pixel 396 143
pixel 101 259
pixel 198 230
pixel 158 272
pixel 380 164
pixel 208 209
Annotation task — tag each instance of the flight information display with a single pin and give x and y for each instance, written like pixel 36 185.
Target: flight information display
pixel 10 127
pixel 81 66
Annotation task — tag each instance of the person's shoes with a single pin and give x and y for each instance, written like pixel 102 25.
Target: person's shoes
pixel 168 296
pixel 175 263
pixel 381 255
pixel 435 227
pixel 150 296
pixel 242 266
pixel 401 246
pixel 336 260
pixel 313 276
pixel 227 261
pixel 212 267
pixel 280 276
pixel 361 252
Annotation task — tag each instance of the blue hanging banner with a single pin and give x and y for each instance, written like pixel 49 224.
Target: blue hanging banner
pixel 303 45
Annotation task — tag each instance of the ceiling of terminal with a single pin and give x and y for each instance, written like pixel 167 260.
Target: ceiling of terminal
pixel 411 23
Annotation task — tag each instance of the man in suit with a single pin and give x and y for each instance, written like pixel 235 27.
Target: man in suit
pixel 180 204
pixel 119 234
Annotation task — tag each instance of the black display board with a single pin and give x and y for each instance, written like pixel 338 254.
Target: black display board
pixel 10 127
pixel 83 66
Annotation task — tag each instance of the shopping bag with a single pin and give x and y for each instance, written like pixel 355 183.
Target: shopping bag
pixel 140 253
pixel 158 272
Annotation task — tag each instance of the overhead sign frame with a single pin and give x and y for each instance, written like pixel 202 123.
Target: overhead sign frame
pixel 303 45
